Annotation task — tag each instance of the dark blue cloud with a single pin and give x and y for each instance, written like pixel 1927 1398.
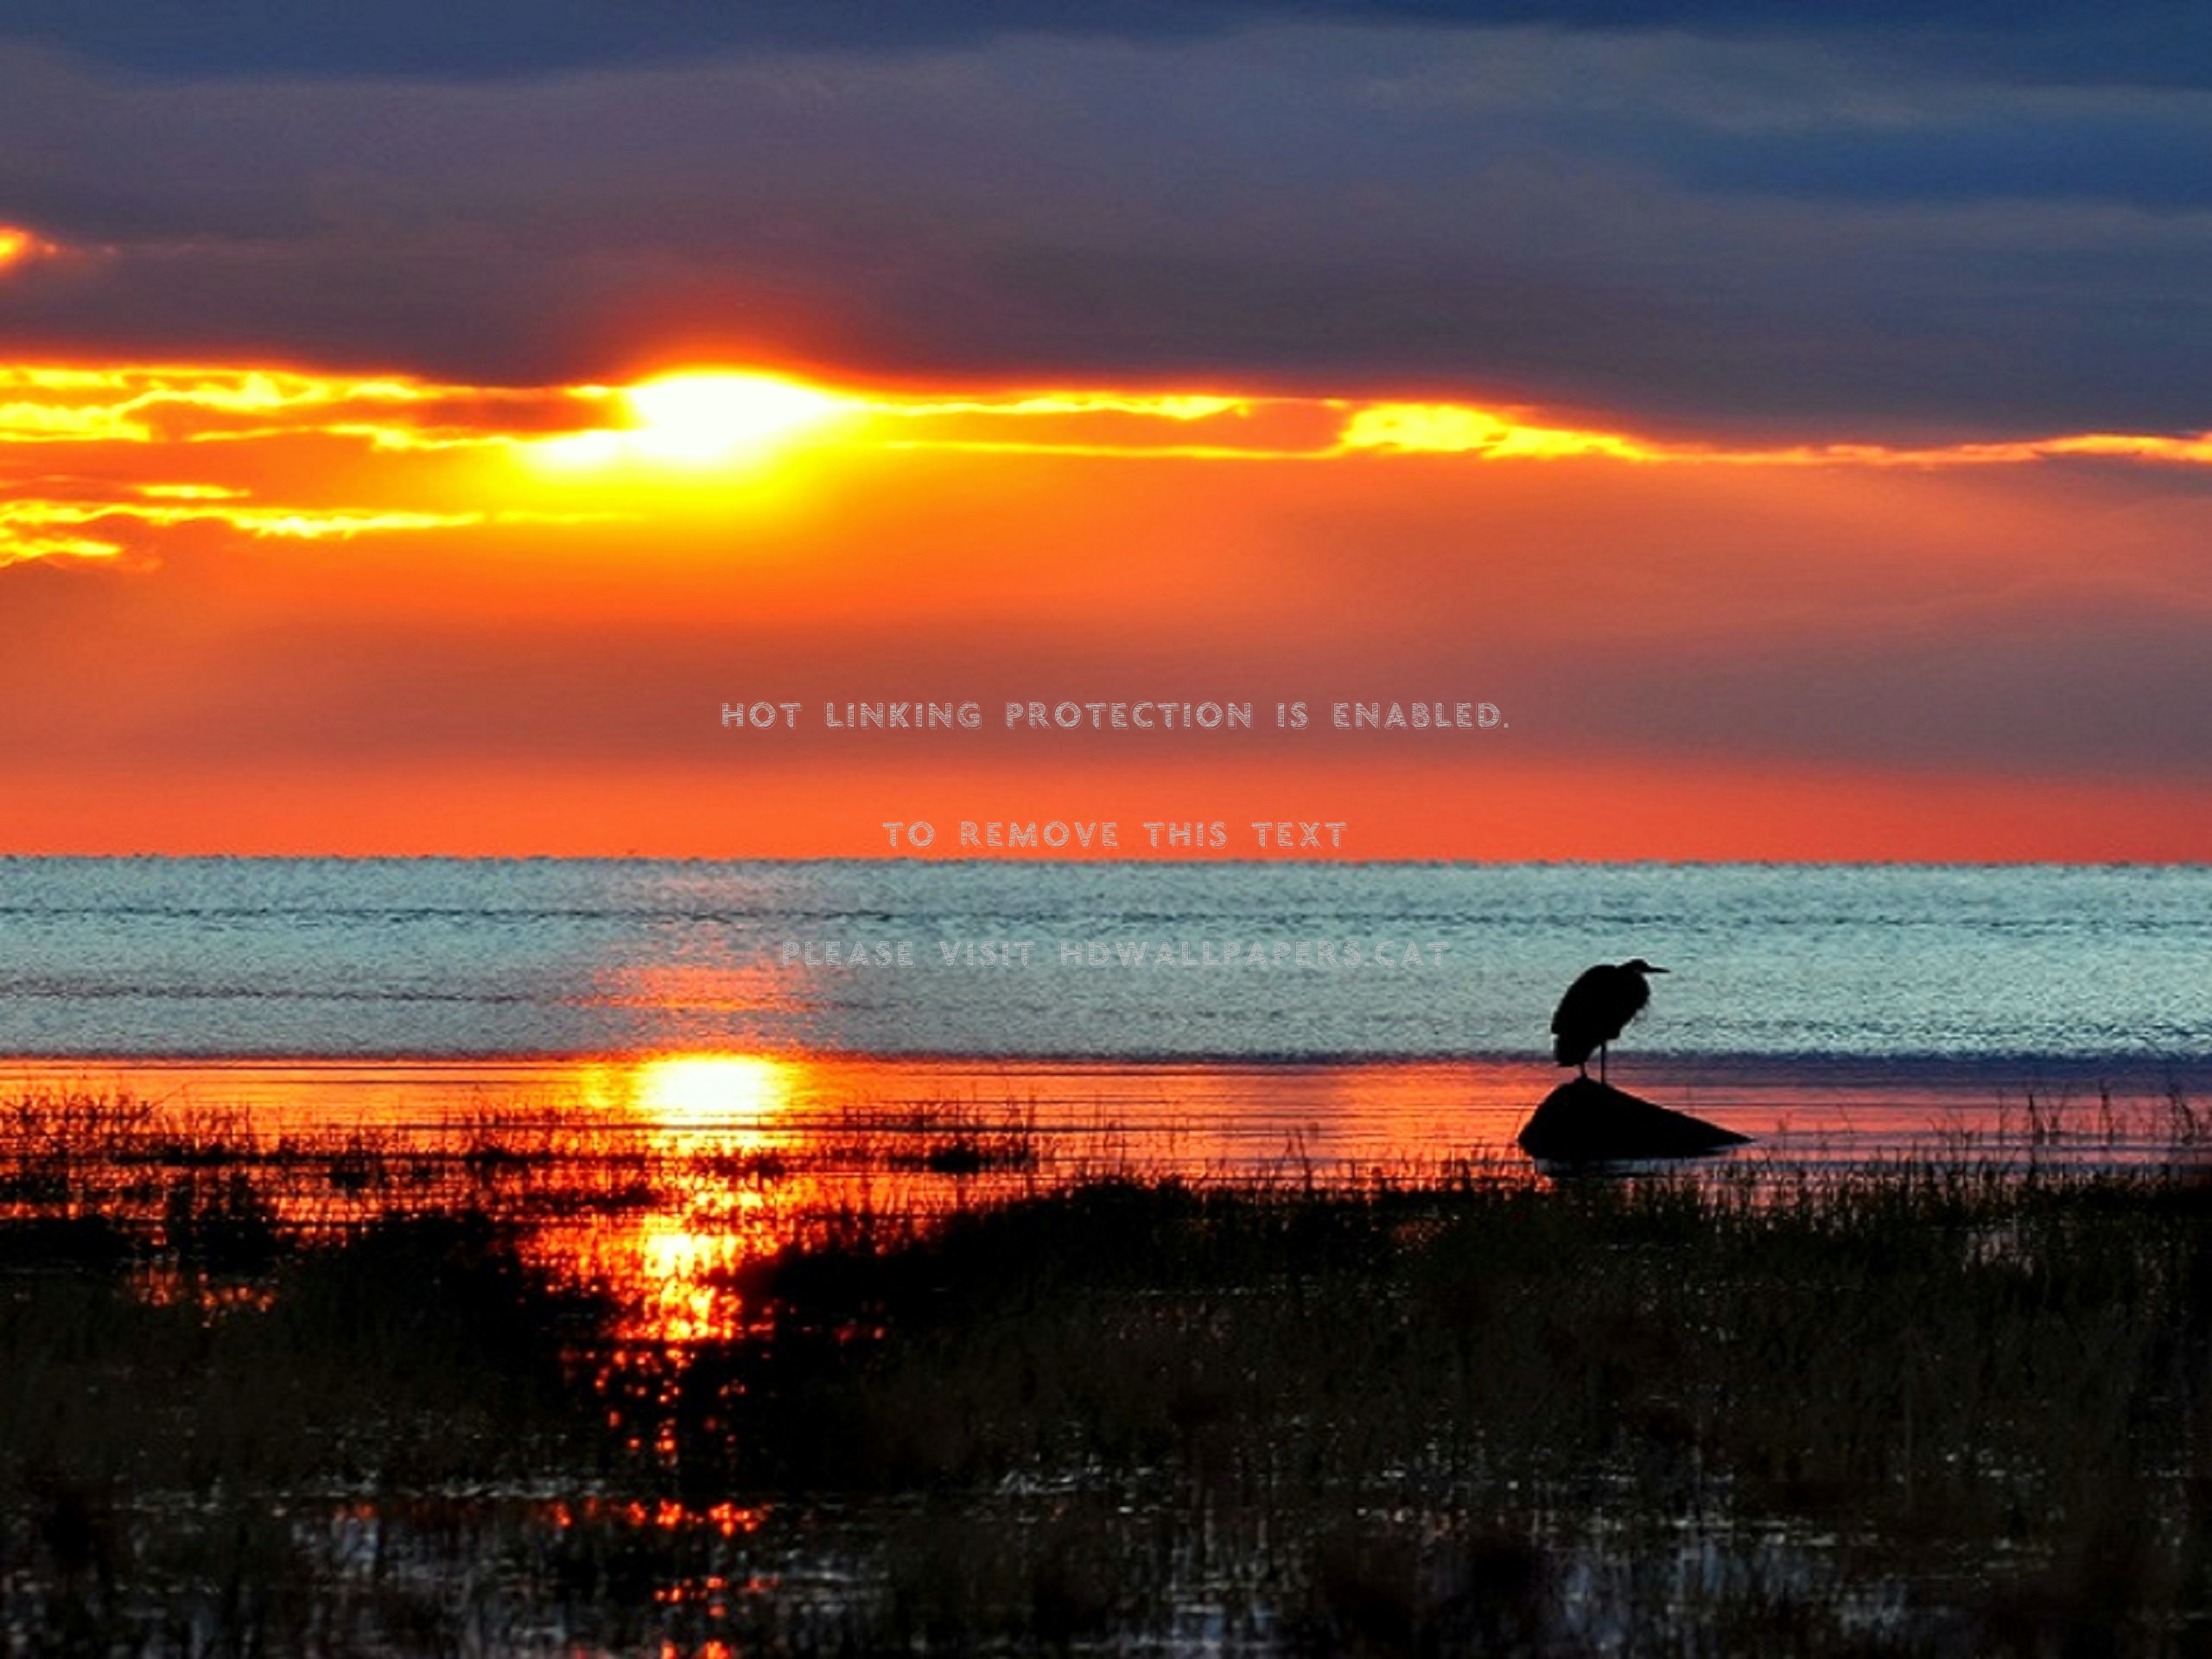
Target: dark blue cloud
pixel 1769 231
pixel 2148 42
pixel 2135 158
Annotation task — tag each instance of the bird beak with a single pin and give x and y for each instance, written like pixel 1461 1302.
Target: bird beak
pixel 1656 971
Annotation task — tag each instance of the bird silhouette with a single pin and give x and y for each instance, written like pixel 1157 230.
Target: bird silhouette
pixel 1595 1008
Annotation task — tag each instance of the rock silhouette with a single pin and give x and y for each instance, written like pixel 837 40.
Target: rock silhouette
pixel 1584 1121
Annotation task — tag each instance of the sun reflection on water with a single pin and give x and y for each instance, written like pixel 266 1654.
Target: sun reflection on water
pixel 716 1193
pixel 664 1179
pixel 728 1091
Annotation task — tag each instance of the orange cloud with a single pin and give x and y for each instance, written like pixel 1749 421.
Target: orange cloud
pixel 126 453
pixel 184 403
pixel 34 528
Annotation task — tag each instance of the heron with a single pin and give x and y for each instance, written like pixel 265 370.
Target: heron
pixel 1596 1007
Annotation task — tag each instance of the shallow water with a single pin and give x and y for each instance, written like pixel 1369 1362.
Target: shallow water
pixel 1254 1118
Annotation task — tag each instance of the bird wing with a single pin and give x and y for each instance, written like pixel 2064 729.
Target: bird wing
pixel 1581 1001
pixel 1580 1013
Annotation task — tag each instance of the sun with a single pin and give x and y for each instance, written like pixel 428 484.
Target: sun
pixel 698 420
pixel 707 417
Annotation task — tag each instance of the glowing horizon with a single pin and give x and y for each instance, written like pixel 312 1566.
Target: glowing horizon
pixel 692 425
pixel 343 597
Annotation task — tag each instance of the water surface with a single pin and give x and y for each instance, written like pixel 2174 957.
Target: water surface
pixel 1221 1014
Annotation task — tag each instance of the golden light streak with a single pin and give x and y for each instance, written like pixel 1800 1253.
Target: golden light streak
pixel 2194 451
pixel 19 247
pixel 190 492
pixel 19 549
pixel 1494 435
pixel 169 402
pixel 1185 406
pixel 1451 428
pixel 416 455
pixel 27 523
pixel 1107 451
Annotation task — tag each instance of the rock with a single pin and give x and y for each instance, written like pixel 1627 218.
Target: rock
pixel 1586 1121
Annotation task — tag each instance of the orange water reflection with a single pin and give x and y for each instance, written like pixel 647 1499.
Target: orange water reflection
pixel 689 1089
pixel 708 1127
pixel 659 1177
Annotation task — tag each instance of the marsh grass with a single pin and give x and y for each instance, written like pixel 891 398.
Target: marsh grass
pixel 1909 1411
pixel 269 1395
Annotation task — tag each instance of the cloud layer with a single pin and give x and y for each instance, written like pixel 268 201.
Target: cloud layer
pixel 1836 219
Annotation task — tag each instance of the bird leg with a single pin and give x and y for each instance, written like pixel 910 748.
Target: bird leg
pixel 1602 1047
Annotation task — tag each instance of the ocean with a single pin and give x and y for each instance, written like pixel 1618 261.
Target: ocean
pixel 1258 1002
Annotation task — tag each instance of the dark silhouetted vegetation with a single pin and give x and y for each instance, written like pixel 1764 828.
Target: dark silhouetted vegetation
pixel 1926 1408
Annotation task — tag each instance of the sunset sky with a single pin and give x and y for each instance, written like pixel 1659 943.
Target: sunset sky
pixel 416 427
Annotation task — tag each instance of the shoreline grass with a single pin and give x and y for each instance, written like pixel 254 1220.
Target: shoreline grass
pixel 1931 1406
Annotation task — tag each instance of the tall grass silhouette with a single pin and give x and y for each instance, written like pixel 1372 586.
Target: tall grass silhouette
pixel 270 1394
